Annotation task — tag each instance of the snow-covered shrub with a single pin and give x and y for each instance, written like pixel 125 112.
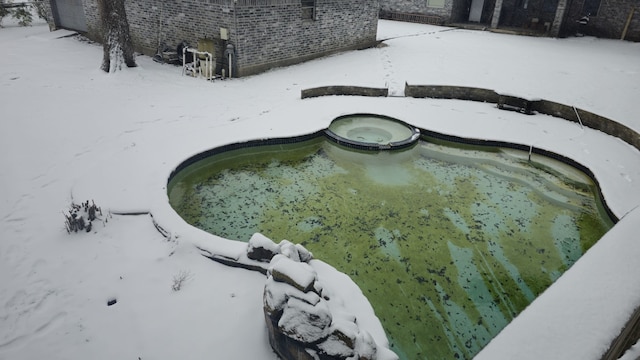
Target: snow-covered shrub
pixel 3 12
pixel 180 279
pixel 38 6
pixel 20 12
pixel 23 15
pixel 74 220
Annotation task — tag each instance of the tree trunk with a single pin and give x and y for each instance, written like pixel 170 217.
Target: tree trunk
pixel 117 45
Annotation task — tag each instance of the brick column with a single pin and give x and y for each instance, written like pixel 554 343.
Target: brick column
pixel 557 21
pixel 496 14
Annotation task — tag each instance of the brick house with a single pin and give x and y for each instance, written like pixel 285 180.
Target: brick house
pixel 263 33
pixel 608 18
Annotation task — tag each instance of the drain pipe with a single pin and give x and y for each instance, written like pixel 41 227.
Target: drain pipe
pixel 229 53
pixel 235 31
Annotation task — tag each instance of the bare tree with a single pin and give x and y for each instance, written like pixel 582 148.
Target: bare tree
pixel 117 45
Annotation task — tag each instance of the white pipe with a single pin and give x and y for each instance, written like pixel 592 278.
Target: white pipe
pixel 184 64
pixel 207 66
pixel 578 115
pixel 208 61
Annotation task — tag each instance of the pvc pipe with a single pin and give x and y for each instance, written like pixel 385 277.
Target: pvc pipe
pixel 578 115
pixel 208 61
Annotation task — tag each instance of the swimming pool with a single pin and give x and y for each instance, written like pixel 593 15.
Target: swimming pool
pixel 449 242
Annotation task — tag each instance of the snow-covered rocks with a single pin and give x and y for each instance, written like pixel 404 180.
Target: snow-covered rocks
pixel 294 273
pixel 263 249
pixel 299 317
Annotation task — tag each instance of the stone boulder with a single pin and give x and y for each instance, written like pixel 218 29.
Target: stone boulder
pixel 300 320
pixel 263 249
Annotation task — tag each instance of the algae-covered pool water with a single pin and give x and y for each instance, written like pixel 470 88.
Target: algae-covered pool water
pixel 448 243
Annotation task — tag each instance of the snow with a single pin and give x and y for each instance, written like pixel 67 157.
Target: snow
pixel 633 353
pixel 259 241
pixel 277 293
pixel 578 315
pixel 305 322
pixel 300 275
pixel 69 132
pixel 293 251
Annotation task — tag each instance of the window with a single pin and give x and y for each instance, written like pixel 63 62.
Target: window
pixel 308 9
pixel 591 7
pixel 550 6
pixel 435 3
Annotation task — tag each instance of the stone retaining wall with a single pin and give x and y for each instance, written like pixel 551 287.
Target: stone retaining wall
pixel 343 90
pixel 541 106
pixel 451 92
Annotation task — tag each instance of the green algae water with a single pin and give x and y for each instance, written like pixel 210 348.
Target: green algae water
pixel 448 243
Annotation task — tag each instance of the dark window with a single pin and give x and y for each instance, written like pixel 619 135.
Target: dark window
pixel 308 9
pixel 590 7
pixel 550 6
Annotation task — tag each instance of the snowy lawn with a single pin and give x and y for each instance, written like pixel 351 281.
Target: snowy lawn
pixel 69 132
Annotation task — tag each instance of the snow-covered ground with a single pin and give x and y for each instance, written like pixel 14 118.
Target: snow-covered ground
pixel 69 132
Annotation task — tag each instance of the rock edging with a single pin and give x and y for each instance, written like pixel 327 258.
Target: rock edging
pixel 302 322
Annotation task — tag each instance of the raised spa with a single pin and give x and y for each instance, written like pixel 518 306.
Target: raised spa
pixel 449 242
pixel 372 132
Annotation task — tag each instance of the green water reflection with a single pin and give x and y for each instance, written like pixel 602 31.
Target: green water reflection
pixel 449 244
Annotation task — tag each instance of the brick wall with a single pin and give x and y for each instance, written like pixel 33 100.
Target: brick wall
pixel 274 33
pixel 608 22
pixel 265 33
pixel 612 17
pixel 94 25
pixel 420 7
pixel 47 9
pixel 152 22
